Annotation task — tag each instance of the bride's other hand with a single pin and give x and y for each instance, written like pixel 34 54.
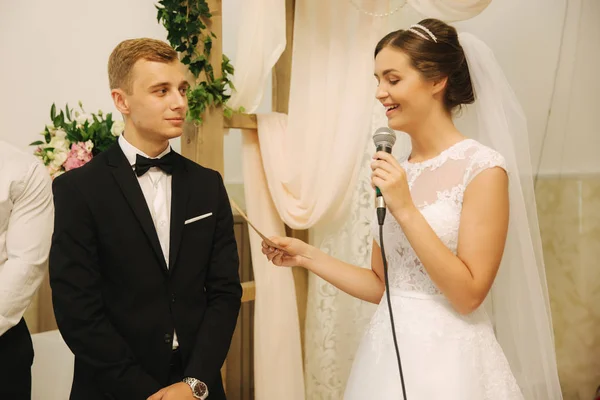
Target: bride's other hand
pixel 291 252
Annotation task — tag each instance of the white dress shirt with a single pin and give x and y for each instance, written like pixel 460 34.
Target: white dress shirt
pixel 156 186
pixel 26 225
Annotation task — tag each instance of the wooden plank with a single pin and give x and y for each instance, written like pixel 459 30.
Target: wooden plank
pixel 204 144
pixel 241 121
pixel 282 72
pixel 248 291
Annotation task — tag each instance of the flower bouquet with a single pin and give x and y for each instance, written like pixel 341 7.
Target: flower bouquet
pixel 74 137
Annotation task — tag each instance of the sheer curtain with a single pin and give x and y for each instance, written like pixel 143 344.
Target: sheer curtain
pixel 307 162
pixel 261 40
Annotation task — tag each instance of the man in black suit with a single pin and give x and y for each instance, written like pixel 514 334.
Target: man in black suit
pixel 144 264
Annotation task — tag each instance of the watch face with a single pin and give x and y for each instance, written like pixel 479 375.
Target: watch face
pixel 201 389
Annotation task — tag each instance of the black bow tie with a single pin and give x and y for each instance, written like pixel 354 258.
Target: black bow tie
pixel 143 164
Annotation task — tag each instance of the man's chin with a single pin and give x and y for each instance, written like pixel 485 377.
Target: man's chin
pixel 172 133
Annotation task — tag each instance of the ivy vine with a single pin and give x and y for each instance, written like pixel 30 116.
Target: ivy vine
pixel 185 22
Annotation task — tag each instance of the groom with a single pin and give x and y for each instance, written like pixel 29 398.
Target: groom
pixel 144 264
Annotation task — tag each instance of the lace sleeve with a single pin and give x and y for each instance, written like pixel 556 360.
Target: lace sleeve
pixel 484 158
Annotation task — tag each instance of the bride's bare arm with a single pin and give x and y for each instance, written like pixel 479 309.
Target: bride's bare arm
pixel 465 278
pixel 365 284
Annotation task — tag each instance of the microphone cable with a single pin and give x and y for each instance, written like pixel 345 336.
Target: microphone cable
pixel 380 219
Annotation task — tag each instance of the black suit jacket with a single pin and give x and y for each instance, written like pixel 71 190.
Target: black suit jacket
pixel 116 302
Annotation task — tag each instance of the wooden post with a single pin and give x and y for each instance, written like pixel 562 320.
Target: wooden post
pixel 282 76
pixel 282 72
pixel 204 144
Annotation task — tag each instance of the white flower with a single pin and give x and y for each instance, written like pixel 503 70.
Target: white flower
pixel 50 128
pixel 117 128
pixel 60 133
pixel 60 144
pixel 89 146
pixel 81 118
pixel 59 160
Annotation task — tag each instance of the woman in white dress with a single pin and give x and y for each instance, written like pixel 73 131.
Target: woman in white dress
pixel 445 236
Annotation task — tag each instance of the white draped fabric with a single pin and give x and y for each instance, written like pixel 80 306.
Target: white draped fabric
pixel 261 40
pixel 311 158
pixel 277 348
pixel 331 101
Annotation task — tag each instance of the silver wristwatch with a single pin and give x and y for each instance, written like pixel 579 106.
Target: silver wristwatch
pixel 199 388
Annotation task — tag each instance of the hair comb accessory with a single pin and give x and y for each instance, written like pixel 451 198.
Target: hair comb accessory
pixel 427 31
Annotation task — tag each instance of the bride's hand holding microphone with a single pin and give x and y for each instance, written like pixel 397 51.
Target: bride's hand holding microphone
pixel 389 176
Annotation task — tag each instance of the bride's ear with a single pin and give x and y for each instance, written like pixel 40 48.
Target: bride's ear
pixel 439 85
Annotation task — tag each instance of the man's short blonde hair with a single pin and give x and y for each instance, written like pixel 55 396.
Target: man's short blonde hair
pixel 128 52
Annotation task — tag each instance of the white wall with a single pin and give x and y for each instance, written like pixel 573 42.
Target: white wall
pixel 525 37
pixel 57 51
pixel 558 87
pixel 572 145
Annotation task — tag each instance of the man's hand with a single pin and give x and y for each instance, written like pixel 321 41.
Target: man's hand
pixel 159 395
pixel 177 391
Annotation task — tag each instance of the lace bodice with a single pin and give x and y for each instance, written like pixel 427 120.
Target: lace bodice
pixel 437 186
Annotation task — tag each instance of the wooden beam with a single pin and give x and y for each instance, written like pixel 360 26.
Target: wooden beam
pixel 204 144
pixel 282 77
pixel 241 121
pixel 248 291
pixel 282 72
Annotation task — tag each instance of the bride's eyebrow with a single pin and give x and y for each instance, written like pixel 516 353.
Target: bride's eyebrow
pixel 387 71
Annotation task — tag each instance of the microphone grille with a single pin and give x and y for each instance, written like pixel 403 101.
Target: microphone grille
pixel 384 136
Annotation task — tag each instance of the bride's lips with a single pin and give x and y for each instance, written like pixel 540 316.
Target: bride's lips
pixel 389 111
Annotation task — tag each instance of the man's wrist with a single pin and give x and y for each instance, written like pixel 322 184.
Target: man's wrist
pixel 199 388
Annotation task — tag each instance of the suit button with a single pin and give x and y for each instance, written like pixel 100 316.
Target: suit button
pixel 168 338
pixel 173 298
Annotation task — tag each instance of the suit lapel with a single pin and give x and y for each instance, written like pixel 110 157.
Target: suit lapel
pixel 179 200
pixel 132 191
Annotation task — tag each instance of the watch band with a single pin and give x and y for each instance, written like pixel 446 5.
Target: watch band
pixel 199 388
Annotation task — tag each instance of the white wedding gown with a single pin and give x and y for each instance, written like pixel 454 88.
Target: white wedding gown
pixel 445 355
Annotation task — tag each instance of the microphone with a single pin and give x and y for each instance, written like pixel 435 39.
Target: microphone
pixel 384 139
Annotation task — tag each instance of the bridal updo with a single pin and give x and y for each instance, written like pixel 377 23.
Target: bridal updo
pixel 434 50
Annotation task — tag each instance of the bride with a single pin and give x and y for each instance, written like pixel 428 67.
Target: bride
pixel 467 284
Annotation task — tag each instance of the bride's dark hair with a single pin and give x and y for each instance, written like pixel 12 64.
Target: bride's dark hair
pixel 435 59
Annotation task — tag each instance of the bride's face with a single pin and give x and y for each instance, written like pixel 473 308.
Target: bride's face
pixel 407 97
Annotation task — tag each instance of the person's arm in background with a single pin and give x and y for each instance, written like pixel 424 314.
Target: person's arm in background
pixel 28 238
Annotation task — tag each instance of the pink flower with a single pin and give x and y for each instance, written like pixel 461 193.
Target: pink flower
pixel 79 154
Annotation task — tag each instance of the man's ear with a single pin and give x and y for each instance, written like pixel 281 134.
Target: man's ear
pixel 120 99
